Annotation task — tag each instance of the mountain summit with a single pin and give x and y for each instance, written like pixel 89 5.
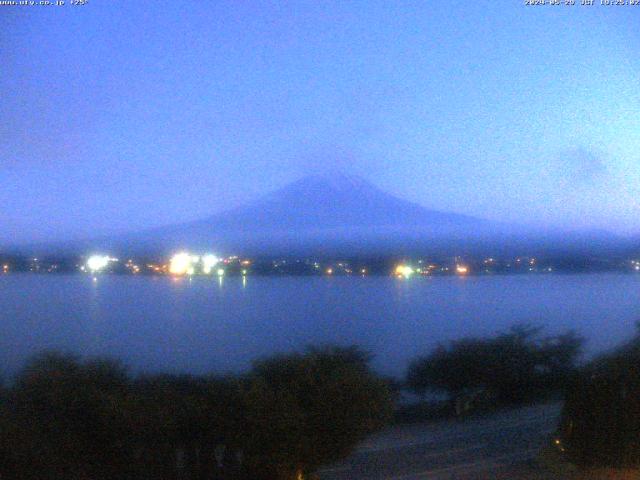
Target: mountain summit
pixel 335 201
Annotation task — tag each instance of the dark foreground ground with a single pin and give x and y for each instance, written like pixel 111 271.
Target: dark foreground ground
pixel 501 446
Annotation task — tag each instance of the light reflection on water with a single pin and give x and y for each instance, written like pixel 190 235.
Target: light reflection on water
pixel 203 324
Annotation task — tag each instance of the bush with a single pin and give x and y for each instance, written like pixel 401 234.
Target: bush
pixel 179 421
pixel 306 410
pixel 78 420
pixel 64 419
pixel 600 423
pixel 517 366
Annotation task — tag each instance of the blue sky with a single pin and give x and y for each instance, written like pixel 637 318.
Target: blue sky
pixel 118 116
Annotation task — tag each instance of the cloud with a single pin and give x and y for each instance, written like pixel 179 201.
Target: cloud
pixel 328 159
pixel 582 166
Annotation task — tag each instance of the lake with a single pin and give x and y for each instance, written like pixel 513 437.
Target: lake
pixel 205 324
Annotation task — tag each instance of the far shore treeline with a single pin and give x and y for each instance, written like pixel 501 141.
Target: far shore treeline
pixel 460 263
pixel 290 414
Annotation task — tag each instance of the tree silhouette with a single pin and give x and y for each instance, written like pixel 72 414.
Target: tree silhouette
pixel 306 410
pixel 67 421
pixel 510 368
pixel 65 418
pixel 600 423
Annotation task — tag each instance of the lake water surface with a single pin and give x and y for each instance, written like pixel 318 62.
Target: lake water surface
pixel 203 324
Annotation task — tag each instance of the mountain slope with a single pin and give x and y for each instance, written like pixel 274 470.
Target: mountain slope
pixel 336 210
pixel 339 201
pixel 333 208
pixel 344 215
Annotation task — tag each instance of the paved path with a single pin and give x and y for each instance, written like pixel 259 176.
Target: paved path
pixel 498 446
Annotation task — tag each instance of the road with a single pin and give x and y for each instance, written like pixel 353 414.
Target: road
pixel 493 447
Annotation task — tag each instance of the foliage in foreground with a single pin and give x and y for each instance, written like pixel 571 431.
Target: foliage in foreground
pixel 73 419
pixel 515 367
pixel 600 423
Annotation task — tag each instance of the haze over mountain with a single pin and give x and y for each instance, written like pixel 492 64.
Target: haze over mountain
pixel 335 210
pixel 329 202
pixel 342 214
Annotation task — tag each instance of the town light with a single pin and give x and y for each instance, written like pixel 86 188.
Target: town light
pixel 181 264
pixel 462 269
pixel 404 271
pixel 208 262
pixel 95 263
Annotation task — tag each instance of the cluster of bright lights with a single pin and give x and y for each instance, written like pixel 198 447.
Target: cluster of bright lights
pixel 208 262
pixel 462 269
pixel 133 268
pixel 404 271
pixel 184 263
pixel 97 263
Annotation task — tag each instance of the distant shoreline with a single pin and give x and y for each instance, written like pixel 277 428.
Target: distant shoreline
pixel 186 264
